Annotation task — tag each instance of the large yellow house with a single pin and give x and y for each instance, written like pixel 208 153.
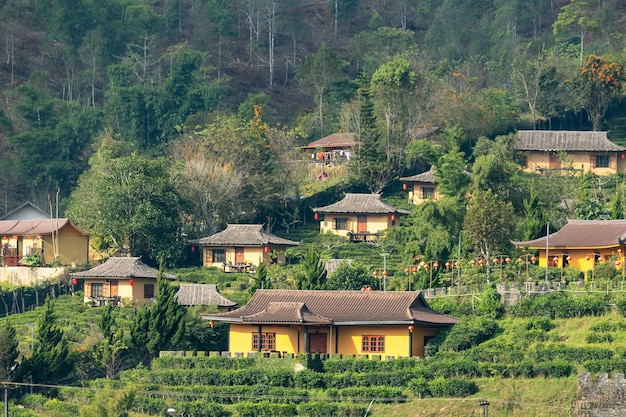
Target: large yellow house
pixel 120 279
pixel 385 323
pixel 360 217
pixel 582 244
pixel 241 247
pixel 421 187
pixel 570 151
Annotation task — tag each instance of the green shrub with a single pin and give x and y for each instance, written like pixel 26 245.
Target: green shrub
pixel 419 386
pixel 599 338
pixel 382 394
pixel 611 366
pixel 442 387
pixel 553 351
pixel 265 409
pixel 553 369
pixel 468 333
pixel 318 409
pixel 309 379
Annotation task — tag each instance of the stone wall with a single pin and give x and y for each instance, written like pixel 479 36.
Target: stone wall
pixel 23 275
pixel 600 396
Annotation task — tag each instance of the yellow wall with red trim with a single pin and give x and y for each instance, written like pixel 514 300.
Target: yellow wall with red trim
pixel 375 223
pixel 349 339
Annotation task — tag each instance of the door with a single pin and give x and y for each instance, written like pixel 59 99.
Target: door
pixel 114 285
pixel 361 223
pixel 317 342
pixel 238 255
pixel 554 161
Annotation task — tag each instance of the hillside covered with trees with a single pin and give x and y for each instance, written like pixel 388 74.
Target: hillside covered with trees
pixel 149 121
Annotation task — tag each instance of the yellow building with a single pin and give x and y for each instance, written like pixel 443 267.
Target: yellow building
pixel 241 247
pixel 587 152
pixel 385 323
pixel 582 244
pixel 360 217
pixel 28 231
pixel 421 187
pixel 120 279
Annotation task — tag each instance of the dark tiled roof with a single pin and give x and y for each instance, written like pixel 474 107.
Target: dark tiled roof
pixel 582 234
pixel 121 267
pixel 286 312
pixel 36 227
pixel 360 204
pixel 202 295
pixel 428 177
pixel 243 235
pixel 553 141
pixel 334 141
pixel 338 307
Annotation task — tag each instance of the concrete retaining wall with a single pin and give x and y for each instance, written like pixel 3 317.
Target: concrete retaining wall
pixel 23 275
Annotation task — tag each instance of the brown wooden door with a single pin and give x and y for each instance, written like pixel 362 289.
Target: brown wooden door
pixel 114 285
pixel 317 342
pixel 238 255
pixel 361 223
pixel 554 161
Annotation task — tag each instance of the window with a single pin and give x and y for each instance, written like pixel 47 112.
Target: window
pixel 428 193
pixel 219 255
pixel 602 161
pixel 372 343
pixel 268 341
pixel 148 290
pixel 341 223
pixel 96 290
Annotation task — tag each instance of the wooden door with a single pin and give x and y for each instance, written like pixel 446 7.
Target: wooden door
pixel 361 223
pixel 317 342
pixel 238 255
pixel 114 285
pixel 554 161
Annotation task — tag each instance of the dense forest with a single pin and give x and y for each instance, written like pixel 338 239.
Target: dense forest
pixel 148 120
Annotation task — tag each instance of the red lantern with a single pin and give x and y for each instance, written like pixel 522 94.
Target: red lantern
pixel 507 260
pixel 267 249
pixel 375 273
pixel 212 323
pixel 619 250
pixel 436 265
pixel 193 248
pixel 316 216
pixel 448 264
pixel 74 281
pixel 393 217
pixel 407 270
pixel 495 261
pixel 385 273
pixel 473 262
pixel 481 262
pixel 131 282
pixel 415 270
pixel 587 258
pixel 411 328
pixel 404 186
pixel 533 259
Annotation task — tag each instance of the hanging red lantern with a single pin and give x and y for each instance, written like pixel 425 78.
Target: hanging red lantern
pixel 507 260
pixel 407 270
pixel 131 282
pixel 267 249
pixel 414 270
pixel 316 216
pixel 533 259
pixel 193 248
pixel 375 273
pixel 212 323
pixel 393 217
pixel 481 262
pixel 74 281
pixel 448 264
pixel 411 328
pixel 495 261
pixel 404 186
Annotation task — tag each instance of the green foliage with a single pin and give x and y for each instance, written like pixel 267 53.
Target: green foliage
pixel 8 351
pixel 442 387
pixel 350 276
pixel 560 305
pixel 468 333
pixel 50 361
pixel 490 304
pixel 313 271
pixel 160 326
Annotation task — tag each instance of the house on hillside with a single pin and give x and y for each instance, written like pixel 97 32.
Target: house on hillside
pixel 337 147
pixel 570 150
pixel 52 241
pixel 119 279
pixel 421 187
pixel 582 244
pixel 389 324
pixel 203 295
pixel 242 247
pixel 360 217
